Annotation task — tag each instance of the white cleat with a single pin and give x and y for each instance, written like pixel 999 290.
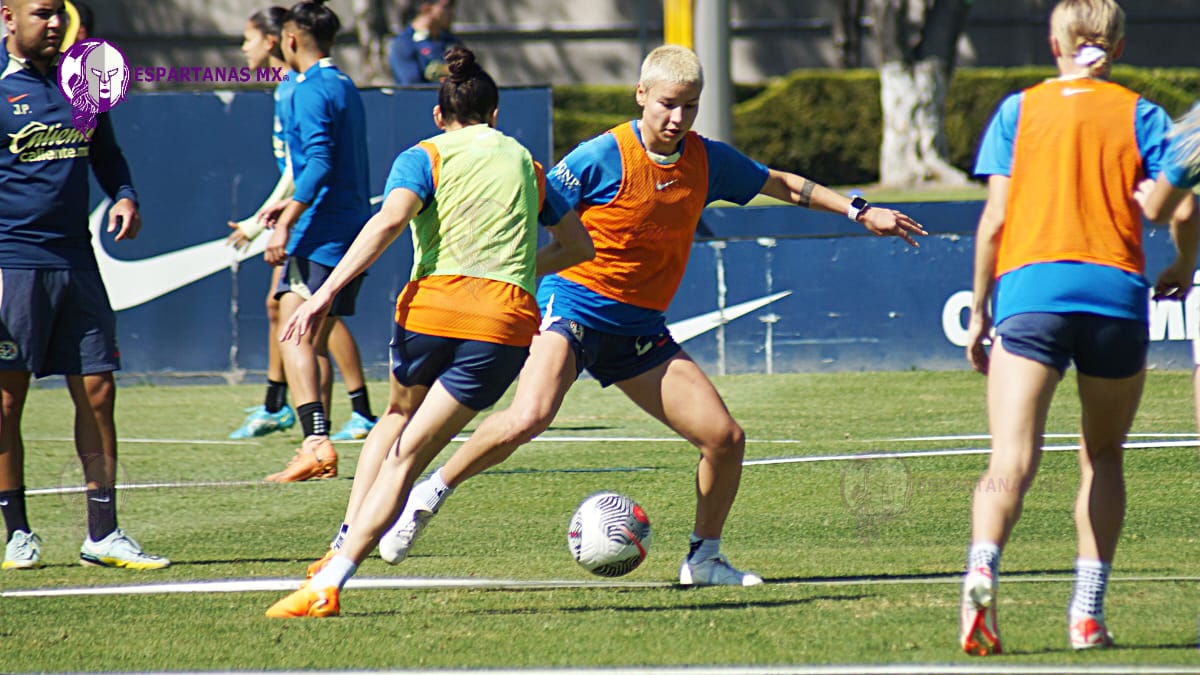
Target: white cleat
pixel 397 541
pixel 715 571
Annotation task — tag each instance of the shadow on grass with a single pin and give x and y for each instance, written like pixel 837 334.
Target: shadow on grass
pixel 696 606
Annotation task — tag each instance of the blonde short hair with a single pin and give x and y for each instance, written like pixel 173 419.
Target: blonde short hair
pixel 673 64
pixel 1185 140
pixel 1088 23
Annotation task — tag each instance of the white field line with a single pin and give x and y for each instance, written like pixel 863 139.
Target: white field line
pixel 849 669
pixel 443 583
pixel 948 453
pixel 984 437
pixel 146 486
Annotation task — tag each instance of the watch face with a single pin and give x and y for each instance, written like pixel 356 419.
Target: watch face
pixel 858 203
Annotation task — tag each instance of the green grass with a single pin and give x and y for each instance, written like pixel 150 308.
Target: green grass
pixel 800 526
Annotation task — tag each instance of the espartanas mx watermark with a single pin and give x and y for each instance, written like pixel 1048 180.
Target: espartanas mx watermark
pixel 209 74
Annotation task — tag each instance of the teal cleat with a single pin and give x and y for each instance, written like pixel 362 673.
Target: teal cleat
pixel 355 429
pixel 260 422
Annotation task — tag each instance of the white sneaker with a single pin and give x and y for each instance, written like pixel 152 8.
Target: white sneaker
pixel 119 550
pixel 397 541
pixel 23 552
pixel 715 571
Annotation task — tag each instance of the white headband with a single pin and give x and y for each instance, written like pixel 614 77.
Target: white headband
pixel 1089 54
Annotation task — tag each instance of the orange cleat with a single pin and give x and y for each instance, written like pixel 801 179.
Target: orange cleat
pixel 319 565
pixel 313 459
pixel 1088 632
pixel 979 634
pixel 307 602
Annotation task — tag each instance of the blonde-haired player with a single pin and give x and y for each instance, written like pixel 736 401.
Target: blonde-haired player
pixel 640 189
pixel 1059 270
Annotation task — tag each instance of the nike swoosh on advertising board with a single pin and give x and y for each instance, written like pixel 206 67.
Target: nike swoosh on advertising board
pixel 686 329
pixel 134 282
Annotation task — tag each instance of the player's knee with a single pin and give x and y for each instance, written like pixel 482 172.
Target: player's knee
pixel 727 444
pixel 529 423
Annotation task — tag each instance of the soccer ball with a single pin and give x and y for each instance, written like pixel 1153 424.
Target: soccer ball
pixel 609 535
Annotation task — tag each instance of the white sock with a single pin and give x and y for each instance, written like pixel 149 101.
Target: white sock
pixel 1091 583
pixel 984 554
pixel 432 492
pixel 336 572
pixel 703 549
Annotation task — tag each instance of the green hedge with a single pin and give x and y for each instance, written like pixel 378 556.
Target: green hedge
pixel 826 124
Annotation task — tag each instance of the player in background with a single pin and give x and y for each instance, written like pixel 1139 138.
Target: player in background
pixel 55 317
pixel 640 189
pixel 1170 197
pixel 1059 270
pixel 415 55
pixel 325 131
pixel 260 44
pixel 465 320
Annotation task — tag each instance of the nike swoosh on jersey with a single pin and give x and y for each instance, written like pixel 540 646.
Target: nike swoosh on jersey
pixel 1070 91
pixel 18 97
pixel 135 282
pixel 664 186
pixel 686 329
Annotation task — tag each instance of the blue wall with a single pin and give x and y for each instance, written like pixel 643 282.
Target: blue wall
pixel 854 301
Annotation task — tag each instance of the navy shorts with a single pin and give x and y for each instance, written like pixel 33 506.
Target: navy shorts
pixel 303 277
pixel 1100 346
pixel 56 322
pixel 476 373
pixel 612 358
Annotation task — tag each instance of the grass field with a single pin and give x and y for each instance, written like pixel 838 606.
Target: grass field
pixel 861 556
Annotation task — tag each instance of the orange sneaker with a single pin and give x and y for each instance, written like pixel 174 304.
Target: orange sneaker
pixel 307 602
pixel 319 565
pixel 313 459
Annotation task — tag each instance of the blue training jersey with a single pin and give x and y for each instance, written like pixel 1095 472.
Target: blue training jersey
pixel 591 174
pixel 326 136
pixel 1077 287
pixel 283 102
pixel 44 172
pixel 414 56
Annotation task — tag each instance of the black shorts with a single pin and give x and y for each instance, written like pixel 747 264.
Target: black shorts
pixel 56 322
pixel 613 358
pixel 303 277
pixel 476 373
pixel 1100 346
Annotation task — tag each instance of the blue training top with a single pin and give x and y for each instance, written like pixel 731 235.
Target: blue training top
pixel 411 54
pixel 44 172
pixel 283 102
pixel 591 174
pixel 1095 289
pixel 326 136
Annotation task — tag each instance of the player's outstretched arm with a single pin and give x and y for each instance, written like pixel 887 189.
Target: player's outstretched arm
pixel 247 230
pixel 801 191
pixel 399 208
pixel 1175 281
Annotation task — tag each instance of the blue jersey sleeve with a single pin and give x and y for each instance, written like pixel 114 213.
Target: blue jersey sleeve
pixel 403 58
pixel 108 162
pixel 314 119
pixel 996 149
pixel 1152 126
pixel 732 176
pixel 589 174
pixel 412 170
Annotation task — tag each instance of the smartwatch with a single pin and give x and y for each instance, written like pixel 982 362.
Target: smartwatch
pixel 857 206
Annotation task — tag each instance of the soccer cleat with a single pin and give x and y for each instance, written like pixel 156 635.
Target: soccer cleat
pixel 307 602
pixel 1088 632
pixel 715 571
pixel 397 541
pixel 978 633
pixel 314 459
pixel 356 428
pixel 119 550
pixel 260 422
pixel 23 552
pixel 319 565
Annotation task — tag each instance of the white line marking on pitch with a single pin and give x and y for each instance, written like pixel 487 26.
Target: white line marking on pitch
pixel 946 453
pixel 443 583
pixel 984 437
pixel 147 486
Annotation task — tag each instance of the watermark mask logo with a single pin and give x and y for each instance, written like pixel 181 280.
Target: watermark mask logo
pixel 94 76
